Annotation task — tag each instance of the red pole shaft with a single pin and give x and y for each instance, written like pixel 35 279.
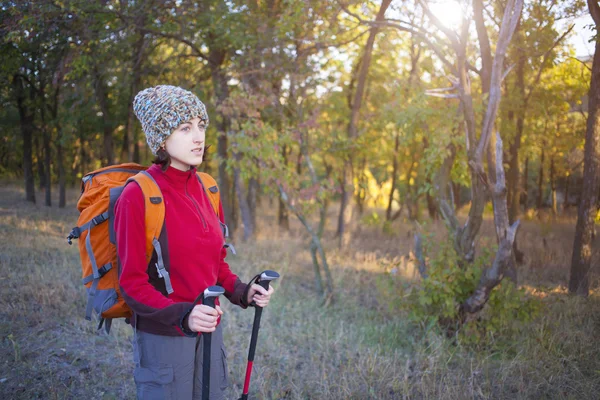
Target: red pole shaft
pixel 248 374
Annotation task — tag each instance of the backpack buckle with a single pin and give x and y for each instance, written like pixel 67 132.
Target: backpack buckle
pixel 231 248
pixel 75 233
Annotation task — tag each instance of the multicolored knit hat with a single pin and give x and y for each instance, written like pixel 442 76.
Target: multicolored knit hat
pixel 163 108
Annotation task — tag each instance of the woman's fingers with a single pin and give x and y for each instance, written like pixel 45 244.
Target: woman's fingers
pixel 262 299
pixel 203 318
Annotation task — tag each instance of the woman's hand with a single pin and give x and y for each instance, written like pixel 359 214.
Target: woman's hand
pixel 204 318
pixel 259 295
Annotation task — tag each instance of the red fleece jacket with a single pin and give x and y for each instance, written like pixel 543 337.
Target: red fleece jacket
pixel 195 250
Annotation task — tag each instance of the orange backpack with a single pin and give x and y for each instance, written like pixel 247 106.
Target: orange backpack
pixel 100 190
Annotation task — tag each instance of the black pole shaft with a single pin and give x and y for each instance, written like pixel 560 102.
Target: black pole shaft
pixel 254 337
pixel 206 350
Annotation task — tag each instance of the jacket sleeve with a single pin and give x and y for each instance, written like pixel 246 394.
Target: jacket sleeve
pixel 235 289
pixel 139 294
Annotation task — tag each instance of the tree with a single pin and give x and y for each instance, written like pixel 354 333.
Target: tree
pixel 482 183
pixel 355 107
pixel 579 281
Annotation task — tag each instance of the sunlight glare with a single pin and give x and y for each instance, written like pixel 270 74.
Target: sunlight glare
pixel 449 12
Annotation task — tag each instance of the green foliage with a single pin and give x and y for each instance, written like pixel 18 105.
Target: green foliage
pixel 502 320
pixel 436 299
pixel 447 285
pixel 371 219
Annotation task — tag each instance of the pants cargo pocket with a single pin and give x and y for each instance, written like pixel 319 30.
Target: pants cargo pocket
pixel 154 383
pixel 225 379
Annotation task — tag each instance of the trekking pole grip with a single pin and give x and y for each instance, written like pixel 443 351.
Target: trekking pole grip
pixel 210 294
pixel 266 277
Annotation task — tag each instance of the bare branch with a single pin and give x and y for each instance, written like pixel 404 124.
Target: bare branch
pixel 441 95
pixel 512 13
pixel 410 28
pixel 493 275
pixel 507 72
pixel 582 63
pixel 484 44
pixel 319 46
pixel 546 56
pixel 500 174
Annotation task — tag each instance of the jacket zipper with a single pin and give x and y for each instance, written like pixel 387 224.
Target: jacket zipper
pixel 195 205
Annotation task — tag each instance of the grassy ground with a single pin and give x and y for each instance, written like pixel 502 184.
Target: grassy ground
pixel 357 348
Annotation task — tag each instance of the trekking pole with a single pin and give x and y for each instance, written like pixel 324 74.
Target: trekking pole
pixel 208 299
pixel 263 280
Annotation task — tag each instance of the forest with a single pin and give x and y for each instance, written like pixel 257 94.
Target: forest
pixel 424 175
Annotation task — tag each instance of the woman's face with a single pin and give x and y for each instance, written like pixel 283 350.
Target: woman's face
pixel 185 145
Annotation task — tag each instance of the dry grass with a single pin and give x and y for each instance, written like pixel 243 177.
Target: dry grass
pixel 354 349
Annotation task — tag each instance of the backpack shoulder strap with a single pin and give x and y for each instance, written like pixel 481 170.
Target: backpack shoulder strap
pixel 155 209
pixel 211 189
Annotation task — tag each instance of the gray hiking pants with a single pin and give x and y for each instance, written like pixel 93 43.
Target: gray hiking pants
pixel 170 367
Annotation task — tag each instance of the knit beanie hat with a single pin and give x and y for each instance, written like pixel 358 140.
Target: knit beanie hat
pixel 163 108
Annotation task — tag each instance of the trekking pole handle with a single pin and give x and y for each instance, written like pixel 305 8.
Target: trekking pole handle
pixel 210 294
pixel 266 277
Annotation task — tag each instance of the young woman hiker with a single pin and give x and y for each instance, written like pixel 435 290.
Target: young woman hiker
pixel 167 329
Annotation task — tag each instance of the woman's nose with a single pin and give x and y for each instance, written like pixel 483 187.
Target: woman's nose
pixel 198 135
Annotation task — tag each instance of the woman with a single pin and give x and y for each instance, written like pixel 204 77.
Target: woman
pixel 167 345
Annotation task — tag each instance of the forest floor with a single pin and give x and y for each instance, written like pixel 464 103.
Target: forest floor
pixel 357 347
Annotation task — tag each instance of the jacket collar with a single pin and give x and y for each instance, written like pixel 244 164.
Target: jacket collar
pixel 175 177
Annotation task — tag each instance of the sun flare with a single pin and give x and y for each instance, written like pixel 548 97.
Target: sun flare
pixel 449 12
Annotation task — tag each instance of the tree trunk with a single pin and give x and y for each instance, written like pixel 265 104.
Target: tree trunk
pixel 244 207
pixel 251 199
pixel 316 242
pixel 585 231
pixel 347 187
pixel 39 151
pixel 540 196
pixel 345 214
pixel 129 143
pixel 566 202
pixel 283 219
pixel 388 211
pixel 317 269
pixel 525 199
pixel 432 207
pixel 82 153
pixel 26 121
pixel 219 79
pixel 62 195
pixel 361 192
pixel 553 187
pixel 47 159
pixel 514 174
pixel 504 263
pixel 465 236
pixel 102 98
